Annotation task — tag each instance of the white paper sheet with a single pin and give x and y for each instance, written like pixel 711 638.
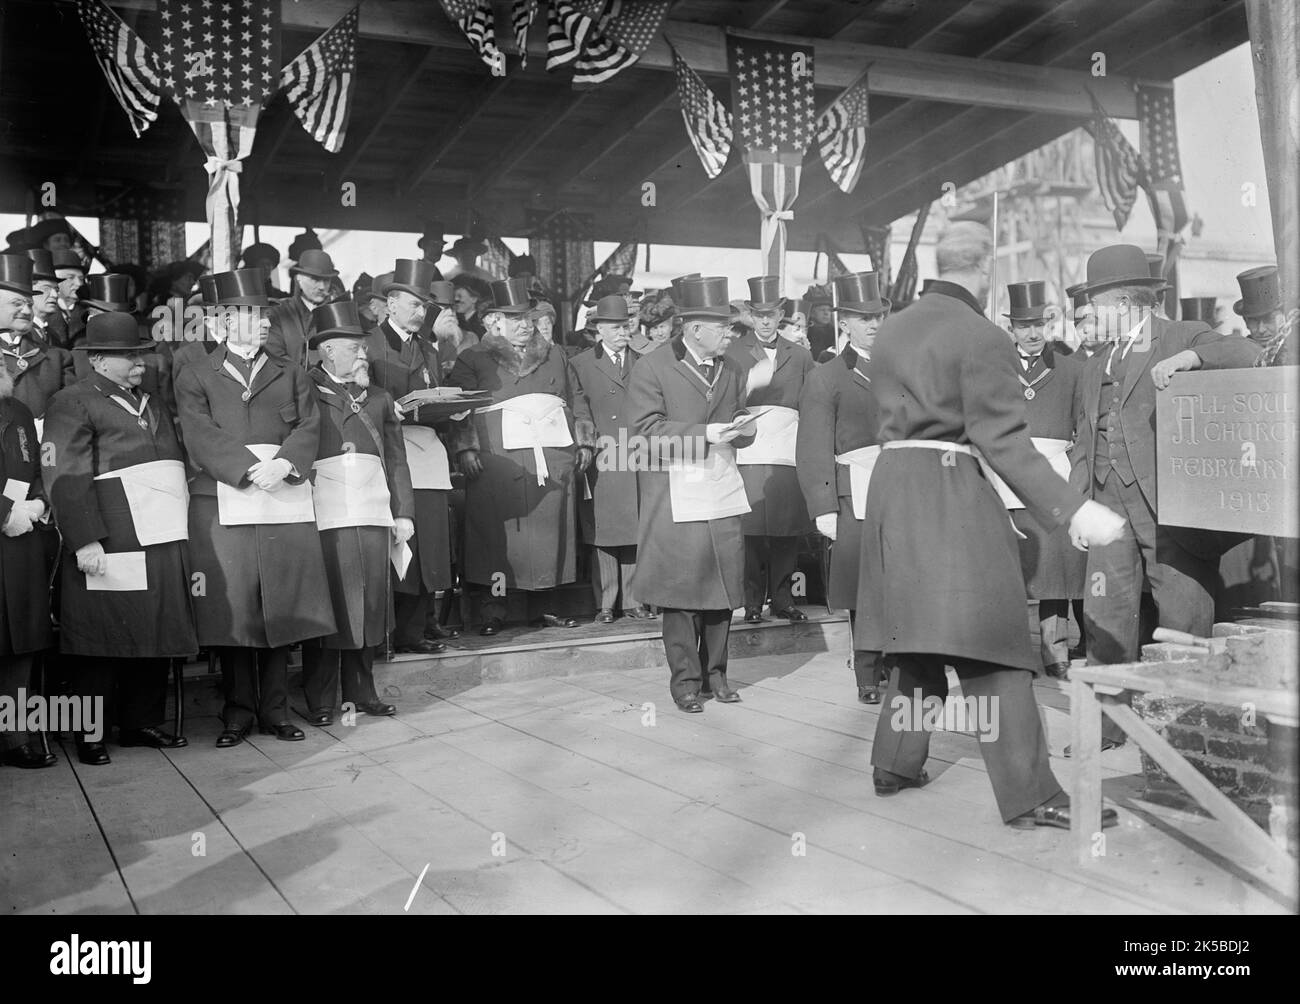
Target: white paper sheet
pixel 126 574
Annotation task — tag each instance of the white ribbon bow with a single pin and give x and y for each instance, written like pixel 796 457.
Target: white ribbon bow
pixel 214 164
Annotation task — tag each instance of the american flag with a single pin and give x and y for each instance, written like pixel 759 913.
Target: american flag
pixel 834 263
pixel 568 23
pixel 621 261
pixel 220 52
pixel 708 122
pixel 478 21
pixel 619 38
pixel 876 239
pixel 521 19
pixel 130 66
pixel 319 83
pixel 1119 166
pixel 1158 132
pixel 904 286
pixel 842 136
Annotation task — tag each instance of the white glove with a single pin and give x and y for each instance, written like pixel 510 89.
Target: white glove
pixel 91 558
pixel 827 524
pixel 1095 524
pixel 268 475
pixel 17 523
pixel 403 529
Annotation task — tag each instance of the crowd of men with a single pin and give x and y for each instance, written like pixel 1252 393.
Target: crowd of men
pixel 315 469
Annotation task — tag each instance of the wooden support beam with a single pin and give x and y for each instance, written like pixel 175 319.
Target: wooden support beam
pixel 273 130
pixel 550 119
pixel 444 140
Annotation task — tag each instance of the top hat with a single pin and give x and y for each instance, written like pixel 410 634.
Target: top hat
pixel 244 287
pixel 523 264
pixel 469 244
pixel 302 243
pixel 442 293
pixel 16 273
pixel 705 297
pixel 1156 265
pixel 208 290
pixel 109 291
pixel 510 296
pixel 1197 308
pixel 764 292
pixel 432 234
pixel 1260 294
pixel 1078 295
pixel 259 250
pixel 676 283
pixel 1028 300
pixel 859 293
pixel 798 306
pixel 1119 265
pixel 42 264
pixel 411 276
pixel 611 308
pixel 67 258
pixel 113 332
pixel 315 263
pixel 337 319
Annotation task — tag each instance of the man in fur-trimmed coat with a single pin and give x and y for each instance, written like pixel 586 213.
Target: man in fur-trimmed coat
pixel 519 456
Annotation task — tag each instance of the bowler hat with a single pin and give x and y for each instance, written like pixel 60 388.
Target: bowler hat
pixel 109 291
pixel 859 293
pixel 411 276
pixel 1197 308
pixel 705 297
pixel 16 273
pixel 244 287
pixel 610 308
pixel 510 296
pixel 1078 295
pixel 764 293
pixel 259 250
pixel 1028 300
pixel 338 319
pixel 315 263
pixel 442 292
pixel 113 331
pixel 1119 265
pixel 302 243
pixel 67 258
pixel 1260 294
pixel 42 264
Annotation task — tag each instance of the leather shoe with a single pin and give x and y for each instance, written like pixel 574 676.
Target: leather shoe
pixel 321 719
pixel 726 695
pixel 868 695
pixel 641 613
pixel 425 646
pixel 151 737
pixel 378 708
pixel 690 704
pixel 753 615
pixel 888 783
pixel 285 731
pixel 791 614
pixel 232 735
pixel 28 758
pixel 1106 744
pixel 441 632
pixel 554 621
pixel 1058 670
pixel 1058 816
pixel 92 754
pixel 606 616
pixel 490 626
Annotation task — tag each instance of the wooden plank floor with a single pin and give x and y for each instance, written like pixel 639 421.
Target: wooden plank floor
pixel 567 795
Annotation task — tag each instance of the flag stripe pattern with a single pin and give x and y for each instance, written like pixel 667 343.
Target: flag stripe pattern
pixel 567 28
pixel 842 136
pixel 708 123
pixel 1119 166
pixel 618 38
pixel 130 66
pixel 1159 139
pixel 318 84
pixel 521 19
pixel 476 19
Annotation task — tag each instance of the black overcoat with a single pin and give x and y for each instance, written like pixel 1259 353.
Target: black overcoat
pixel 609 518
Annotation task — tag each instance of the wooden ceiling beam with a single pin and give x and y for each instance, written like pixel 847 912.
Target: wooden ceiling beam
pixel 437 148
pixel 551 118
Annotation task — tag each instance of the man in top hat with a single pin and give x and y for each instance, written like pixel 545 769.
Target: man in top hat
pixel 431 244
pixel 821 322
pixel 778 515
pixel 685 403
pixel 837 434
pixel 608 509
pixel 1260 307
pixel 67 321
pixel 117 481
pixel 45 294
pixel 267 258
pixel 37 370
pixel 364 506
pixel 402 361
pixel 1117 434
pixel 210 332
pixel 1053 568
pixel 518 456
pixel 291 318
pixel 940 583
pixel 252 429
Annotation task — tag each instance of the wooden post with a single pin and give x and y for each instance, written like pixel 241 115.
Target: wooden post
pixel 1085 741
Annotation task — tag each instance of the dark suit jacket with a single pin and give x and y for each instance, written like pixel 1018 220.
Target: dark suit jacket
pixel 609 518
pixel 48 371
pixel 837 413
pixel 291 325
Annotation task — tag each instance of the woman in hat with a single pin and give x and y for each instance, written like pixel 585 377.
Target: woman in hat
pixel 118 488
pixel 471 300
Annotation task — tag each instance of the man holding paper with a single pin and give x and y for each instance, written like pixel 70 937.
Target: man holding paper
pixel 837 449
pixel 778 515
pixel 116 477
pixel 364 507
pixel 684 401
pixel 252 430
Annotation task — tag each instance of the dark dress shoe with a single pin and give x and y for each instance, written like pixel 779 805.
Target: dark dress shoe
pixel 639 613
pixel 726 695
pixel 92 754
pixel 1106 744
pixel 442 632
pixel 605 616
pixel 425 646
pixel 284 731
pixel 554 621
pixel 753 615
pixel 151 737
pixel 791 614
pixel 1058 816
pixel 490 626
pixel 1058 670
pixel 378 708
pixel 889 783
pixel 232 735
pixel 321 719
pixel 28 758
pixel 868 695
pixel 690 704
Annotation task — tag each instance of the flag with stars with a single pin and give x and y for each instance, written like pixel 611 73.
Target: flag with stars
pixel 478 21
pixel 708 122
pixel 772 98
pixel 130 66
pixel 1158 137
pixel 622 34
pixel 1119 167
pixel 842 136
pixel 319 82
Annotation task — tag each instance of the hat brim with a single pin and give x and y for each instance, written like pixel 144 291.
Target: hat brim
pixel 712 313
pixel 144 346
pixel 244 301
pixel 1239 308
pixel 355 334
pixel 401 287
pixel 512 309
pixel 1156 285
pixel 880 306
pixel 331 274
pixel 773 305
pixel 13 287
pixel 115 308
pixel 612 320
pixel 1035 315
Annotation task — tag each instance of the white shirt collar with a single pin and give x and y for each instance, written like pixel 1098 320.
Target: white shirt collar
pixel 695 355
pixel 245 352
pixel 404 335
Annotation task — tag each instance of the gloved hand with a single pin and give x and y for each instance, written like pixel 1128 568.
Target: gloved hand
pixel 470 464
pixel 585 457
pixel 828 524
pixel 17 522
pixel 1093 523
pixel 91 558
pixel 403 529
pixel 268 475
